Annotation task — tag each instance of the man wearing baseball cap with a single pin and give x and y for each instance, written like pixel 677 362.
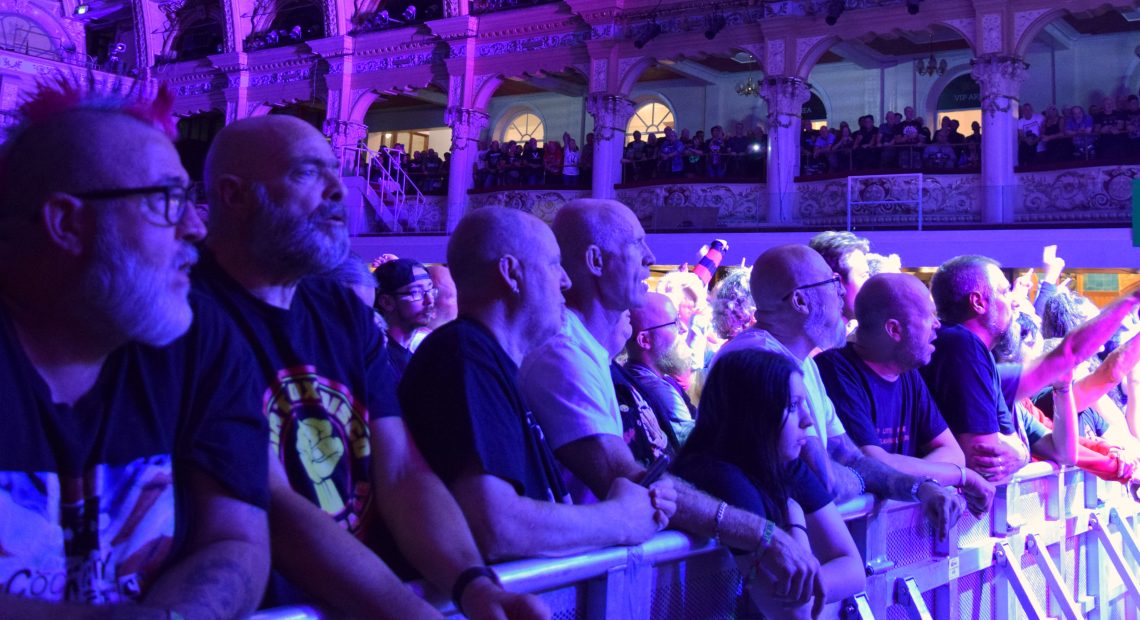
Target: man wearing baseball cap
pixel 406 296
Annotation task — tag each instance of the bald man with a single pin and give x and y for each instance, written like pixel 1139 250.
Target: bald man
pixel 799 308
pixel 345 477
pixel 465 408
pixel 132 462
pixel 567 382
pixel 880 396
pixel 657 351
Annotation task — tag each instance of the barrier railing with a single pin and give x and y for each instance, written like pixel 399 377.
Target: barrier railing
pixel 1058 543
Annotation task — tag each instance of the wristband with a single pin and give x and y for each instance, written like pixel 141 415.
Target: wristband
pixel 962 482
pixel 919 483
pixel 801 527
pixel 862 482
pixel 720 510
pixel 766 535
pixel 465 578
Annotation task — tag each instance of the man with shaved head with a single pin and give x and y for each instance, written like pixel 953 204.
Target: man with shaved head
pixel 657 351
pixel 132 463
pixel 879 395
pixel 346 480
pixel 568 384
pixel 799 309
pixel 464 405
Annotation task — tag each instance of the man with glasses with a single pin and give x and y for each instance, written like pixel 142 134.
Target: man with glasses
pixel 657 351
pixel 347 483
pixel 129 477
pixel 405 296
pixel 799 311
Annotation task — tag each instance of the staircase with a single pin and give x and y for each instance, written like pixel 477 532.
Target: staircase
pixel 378 185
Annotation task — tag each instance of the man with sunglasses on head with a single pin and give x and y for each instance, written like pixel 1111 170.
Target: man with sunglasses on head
pixel 657 351
pixel 132 462
pixel 347 484
pixel 799 311
pixel 405 296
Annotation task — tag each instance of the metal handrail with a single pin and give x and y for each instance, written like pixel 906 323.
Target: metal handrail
pixel 394 180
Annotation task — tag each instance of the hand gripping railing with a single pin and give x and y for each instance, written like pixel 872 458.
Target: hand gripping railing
pixel 1040 552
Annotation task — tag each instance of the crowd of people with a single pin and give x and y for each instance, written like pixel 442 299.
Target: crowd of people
pixel 1109 130
pixel 209 416
pixel 902 142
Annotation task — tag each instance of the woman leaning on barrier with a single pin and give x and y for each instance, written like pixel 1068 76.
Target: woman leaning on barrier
pixel 745 450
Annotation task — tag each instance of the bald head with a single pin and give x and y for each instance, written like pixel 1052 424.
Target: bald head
pixel 483 237
pixel 889 296
pixel 256 148
pixel 590 221
pixel 657 309
pixel 780 270
pixel 605 253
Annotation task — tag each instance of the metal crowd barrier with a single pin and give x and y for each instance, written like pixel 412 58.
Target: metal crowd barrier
pixel 1058 542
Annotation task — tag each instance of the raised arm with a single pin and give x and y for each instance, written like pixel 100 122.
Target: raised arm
pixel 429 526
pixel 1117 367
pixel 1077 346
pixel 226 564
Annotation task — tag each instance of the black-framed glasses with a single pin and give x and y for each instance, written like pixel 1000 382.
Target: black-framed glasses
pixel 836 280
pixel 175 199
pixel 418 294
pixel 674 323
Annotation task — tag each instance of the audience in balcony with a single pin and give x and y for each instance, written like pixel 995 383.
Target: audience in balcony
pixel 1110 131
pixel 753 423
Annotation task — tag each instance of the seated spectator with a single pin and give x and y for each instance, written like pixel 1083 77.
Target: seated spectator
pixel 889 132
pixel 716 162
pixel 846 254
pixel 344 469
pixel 670 151
pixel 657 353
pixel 632 158
pixel 746 448
pixel 939 154
pixel 841 150
pixel 134 454
pixel 822 159
pixel 909 143
pixel 1058 146
pixel 975 305
pixel 881 398
pixel 866 153
pixel 1079 129
pixel 798 309
pixel 463 382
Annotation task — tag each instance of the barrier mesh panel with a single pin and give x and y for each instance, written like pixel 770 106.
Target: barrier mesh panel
pixel 1035 581
pixel 908 538
pixel 976 595
pixel 708 587
pixel 566 603
pixel 973 532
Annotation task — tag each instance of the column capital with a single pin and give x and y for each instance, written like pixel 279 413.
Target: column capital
pixel 611 114
pixel 345 133
pixel 999 76
pixel 785 96
pixel 466 124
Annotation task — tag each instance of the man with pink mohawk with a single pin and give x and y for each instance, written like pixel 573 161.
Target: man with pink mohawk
pixel 132 466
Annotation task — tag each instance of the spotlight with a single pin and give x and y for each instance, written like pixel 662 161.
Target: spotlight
pixel 409 14
pixel 716 24
pixel 834 10
pixel 82 9
pixel 652 30
pixel 912 6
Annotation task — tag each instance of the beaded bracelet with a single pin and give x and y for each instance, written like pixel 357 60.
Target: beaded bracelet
pixel 720 510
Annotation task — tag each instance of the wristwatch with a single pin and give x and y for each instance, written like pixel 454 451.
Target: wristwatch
pixel 919 483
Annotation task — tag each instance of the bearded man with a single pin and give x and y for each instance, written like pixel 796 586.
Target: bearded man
pixel 657 352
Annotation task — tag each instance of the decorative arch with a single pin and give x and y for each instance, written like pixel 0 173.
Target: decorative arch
pixel 1034 28
pixel 194 16
pixel 813 54
pixel 628 76
pixel 930 106
pixel 361 105
pixel 511 115
pixel 959 28
pixel 485 87
pixel 29 14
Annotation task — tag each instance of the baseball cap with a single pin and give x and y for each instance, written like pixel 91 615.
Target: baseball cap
pixel 396 274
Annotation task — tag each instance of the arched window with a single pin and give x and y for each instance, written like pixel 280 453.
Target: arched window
pixel 26 36
pixel 814 111
pixel 961 100
pixel 523 127
pixel 651 117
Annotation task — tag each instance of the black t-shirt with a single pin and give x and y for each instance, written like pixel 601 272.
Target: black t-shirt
pixel 94 497
pixel 962 377
pixel 324 376
pixel 730 483
pixel 463 406
pixel 899 416
pixel 644 420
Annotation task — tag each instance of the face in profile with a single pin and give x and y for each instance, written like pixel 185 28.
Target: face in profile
pixel 797 419
pixel 545 280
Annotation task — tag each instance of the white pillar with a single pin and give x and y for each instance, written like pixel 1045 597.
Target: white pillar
pixel 611 113
pixel 785 96
pixel 1000 78
pixel 466 125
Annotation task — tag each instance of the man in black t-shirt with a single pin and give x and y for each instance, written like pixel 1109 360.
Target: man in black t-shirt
pixel 341 456
pixel 132 462
pixel 976 306
pixel 405 296
pixel 880 396
pixel 464 406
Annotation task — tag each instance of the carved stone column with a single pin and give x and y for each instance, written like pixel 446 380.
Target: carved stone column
pixel 466 126
pixel 343 133
pixel 1000 78
pixel 785 96
pixel 611 113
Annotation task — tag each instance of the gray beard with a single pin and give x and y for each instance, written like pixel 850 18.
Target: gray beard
pixel 294 248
